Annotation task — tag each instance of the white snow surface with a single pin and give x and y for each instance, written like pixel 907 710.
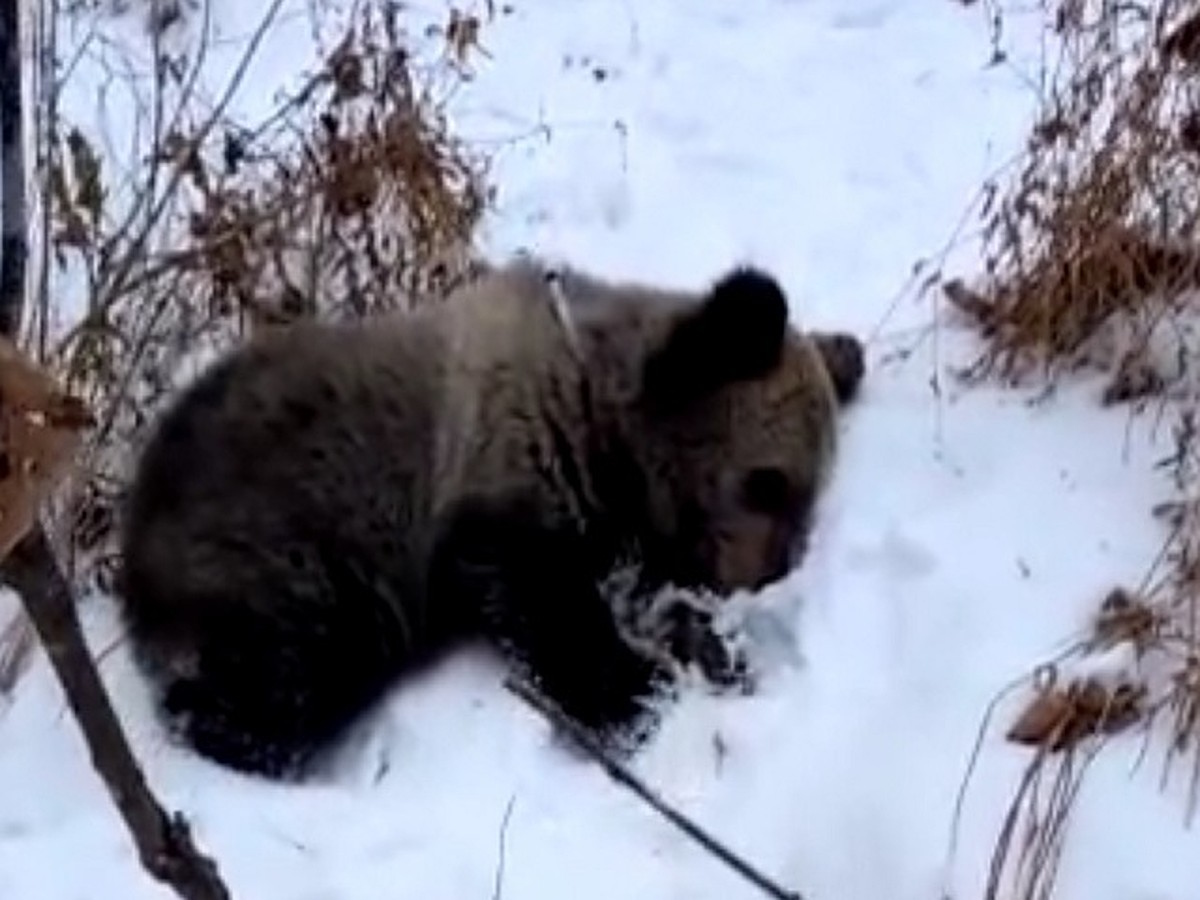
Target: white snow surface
pixel 967 537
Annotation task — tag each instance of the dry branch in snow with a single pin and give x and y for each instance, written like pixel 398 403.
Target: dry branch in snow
pixel 40 428
pixel 625 778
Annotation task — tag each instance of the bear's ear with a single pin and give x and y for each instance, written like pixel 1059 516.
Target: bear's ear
pixel 736 333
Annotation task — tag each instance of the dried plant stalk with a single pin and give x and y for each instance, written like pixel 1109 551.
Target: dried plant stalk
pixel 1092 262
pixel 350 198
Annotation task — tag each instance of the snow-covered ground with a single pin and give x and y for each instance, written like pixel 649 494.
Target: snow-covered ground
pixel 967 537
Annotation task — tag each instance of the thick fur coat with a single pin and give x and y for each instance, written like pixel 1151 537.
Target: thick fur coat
pixel 330 506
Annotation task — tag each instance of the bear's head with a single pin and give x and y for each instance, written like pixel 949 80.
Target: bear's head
pixel 733 424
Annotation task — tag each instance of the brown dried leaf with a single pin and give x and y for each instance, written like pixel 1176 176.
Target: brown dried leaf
pixel 39 434
pixel 1059 718
pixel 1124 617
pixel 1042 719
pixel 970 303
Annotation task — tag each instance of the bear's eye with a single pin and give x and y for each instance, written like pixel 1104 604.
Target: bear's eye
pixel 767 490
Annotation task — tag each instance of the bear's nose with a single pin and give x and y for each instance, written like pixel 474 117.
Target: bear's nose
pixel 776 567
pixel 757 554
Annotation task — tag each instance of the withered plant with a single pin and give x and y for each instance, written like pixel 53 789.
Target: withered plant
pixel 1091 262
pixel 352 198
pixel 156 250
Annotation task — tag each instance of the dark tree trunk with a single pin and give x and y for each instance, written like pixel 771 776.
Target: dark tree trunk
pixel 13 244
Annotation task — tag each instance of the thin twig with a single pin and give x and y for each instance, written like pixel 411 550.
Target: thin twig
pixel 498 883
pixel 45 116
pixel 132 255
pixel 627 779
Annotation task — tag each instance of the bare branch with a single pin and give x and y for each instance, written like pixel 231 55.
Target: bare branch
pixel 627 779
pixel 498 882
pixel 164 843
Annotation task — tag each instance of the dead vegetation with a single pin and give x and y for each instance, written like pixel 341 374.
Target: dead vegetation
pixel 349 195
pixel 352 197
pixel 1092 263
pixel 40 429
pixel 1090 249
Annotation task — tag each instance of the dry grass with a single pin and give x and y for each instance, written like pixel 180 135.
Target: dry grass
pixel 1092 262
pixel 351 196
pixel 1097 228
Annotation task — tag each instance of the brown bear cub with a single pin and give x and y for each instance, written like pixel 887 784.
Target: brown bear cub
pixel 331 505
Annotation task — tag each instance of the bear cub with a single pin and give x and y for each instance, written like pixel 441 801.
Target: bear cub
pixel 329 506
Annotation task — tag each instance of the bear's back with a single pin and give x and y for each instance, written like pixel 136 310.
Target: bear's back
pixel 357 435
pixel 314 437
pixel 510 397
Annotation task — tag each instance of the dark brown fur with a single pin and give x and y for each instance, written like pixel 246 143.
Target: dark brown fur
pixel 330 505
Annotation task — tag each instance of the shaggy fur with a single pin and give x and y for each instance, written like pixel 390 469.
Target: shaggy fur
pixel 331 505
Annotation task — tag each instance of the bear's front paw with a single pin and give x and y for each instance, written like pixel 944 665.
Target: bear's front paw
pixel 724 664
pixel 693 639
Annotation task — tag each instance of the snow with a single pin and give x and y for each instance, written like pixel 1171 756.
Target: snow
pixel 967 537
